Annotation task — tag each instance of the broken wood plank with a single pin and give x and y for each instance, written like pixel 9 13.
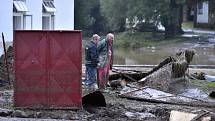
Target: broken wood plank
pixel 184 116
pixel 199 116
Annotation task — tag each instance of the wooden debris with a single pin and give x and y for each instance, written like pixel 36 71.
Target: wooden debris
pixel 162 75
pixel 183 116
pixel 6 59
pixel 116 83
pixel 199 116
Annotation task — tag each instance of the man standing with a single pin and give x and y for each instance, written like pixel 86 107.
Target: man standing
pixel 105 50
pixel 91 61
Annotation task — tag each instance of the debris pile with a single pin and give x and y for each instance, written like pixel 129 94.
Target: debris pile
pixel 156 85
pixel 3 69
pixel 162 78
pixel 162 75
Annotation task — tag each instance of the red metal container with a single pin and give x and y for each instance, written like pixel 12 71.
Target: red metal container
pixel 47 68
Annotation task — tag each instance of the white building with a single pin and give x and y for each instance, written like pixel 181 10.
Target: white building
pixel 205 14
pixel 202 12
pixel 35 15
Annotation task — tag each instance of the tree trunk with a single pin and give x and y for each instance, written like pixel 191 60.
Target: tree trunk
pixel 195 13
pixel 122 25
pixel 179 27
pixel 173 22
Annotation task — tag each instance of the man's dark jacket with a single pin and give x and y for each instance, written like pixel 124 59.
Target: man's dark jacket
pixel 91 54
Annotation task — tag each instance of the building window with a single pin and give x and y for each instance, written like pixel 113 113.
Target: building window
pixel 27 22
pixel 48 18
pixel 48 22
pixel 19 13
pixel 17 22
pixel 200 8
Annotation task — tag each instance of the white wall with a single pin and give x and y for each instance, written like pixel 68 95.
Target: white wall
pixel 35 9
pixel 203 18
pixel 64 16
pixel 6 19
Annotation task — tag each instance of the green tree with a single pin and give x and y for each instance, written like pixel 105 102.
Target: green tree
pixel 99 25
pixel 88 17
pixel 114 12
pixel 110 15
pixel 167 12
pixel 82 14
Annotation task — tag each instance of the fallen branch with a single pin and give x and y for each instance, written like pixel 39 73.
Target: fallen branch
pixel 6 61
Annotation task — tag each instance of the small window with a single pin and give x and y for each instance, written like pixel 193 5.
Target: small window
pixel 17 22
pixel 19 15
pixel 48 18
pixel 52 22
pixel 48 22
pixel 27 22
pixel 200 8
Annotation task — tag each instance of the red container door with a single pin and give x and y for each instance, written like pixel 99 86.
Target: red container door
pixel 30 69
pixel 47 69
pixel 65 69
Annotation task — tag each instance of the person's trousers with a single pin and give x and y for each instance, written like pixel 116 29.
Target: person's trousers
pixel 103 76
pixel 90 75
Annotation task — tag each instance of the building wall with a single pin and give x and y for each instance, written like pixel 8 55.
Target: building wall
pixel 6 19
pixel 64 16
pixel 203 18
pixel 35 9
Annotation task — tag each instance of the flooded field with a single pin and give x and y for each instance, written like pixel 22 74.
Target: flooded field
pixel 204 50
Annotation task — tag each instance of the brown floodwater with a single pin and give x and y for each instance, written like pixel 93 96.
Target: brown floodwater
pixel 204 53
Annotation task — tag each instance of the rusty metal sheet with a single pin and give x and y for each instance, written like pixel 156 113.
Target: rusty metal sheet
pixel 152 95
pixel 47 68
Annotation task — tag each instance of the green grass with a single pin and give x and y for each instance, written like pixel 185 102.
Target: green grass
pixel 203 84
pixel 211 85
pixel 187 25
pixel 142 39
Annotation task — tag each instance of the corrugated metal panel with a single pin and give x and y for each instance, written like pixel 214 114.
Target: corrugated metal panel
pixel 20 6
pixel 47 69
pixel 49 6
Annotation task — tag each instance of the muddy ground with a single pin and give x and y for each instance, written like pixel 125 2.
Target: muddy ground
pixel 119 109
